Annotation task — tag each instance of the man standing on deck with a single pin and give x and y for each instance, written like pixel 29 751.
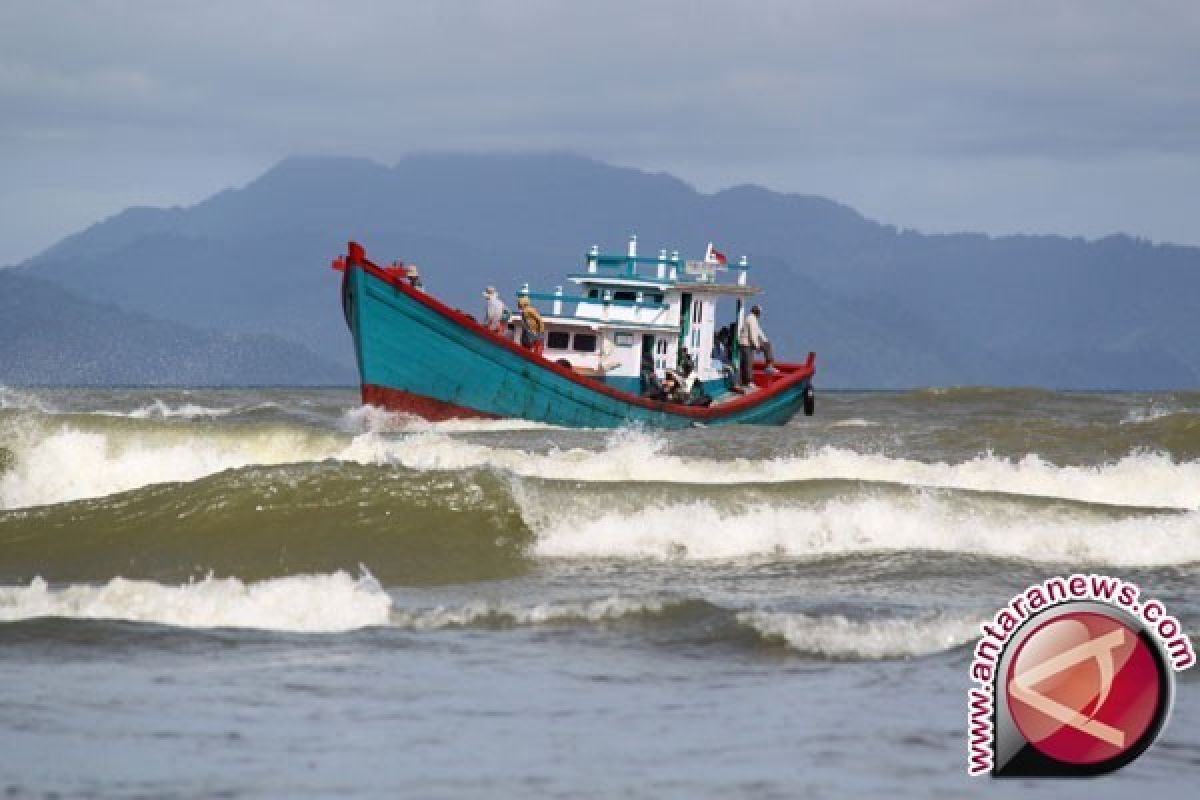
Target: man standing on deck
pixel 534 330
pixel 751 338
pixel 495 318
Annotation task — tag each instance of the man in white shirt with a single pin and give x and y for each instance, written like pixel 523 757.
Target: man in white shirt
pixel 494 316
pixel 751 338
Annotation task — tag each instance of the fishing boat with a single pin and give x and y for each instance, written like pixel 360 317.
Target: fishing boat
pixel 631 321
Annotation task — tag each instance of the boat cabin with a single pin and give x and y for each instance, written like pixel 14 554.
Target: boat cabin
pixel 627 306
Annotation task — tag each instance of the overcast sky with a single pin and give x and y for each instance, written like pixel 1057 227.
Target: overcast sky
pixel 1080 118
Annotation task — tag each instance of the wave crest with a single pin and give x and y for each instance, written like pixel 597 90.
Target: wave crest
pixel 837 637
pixel 881 522
pixel 300 603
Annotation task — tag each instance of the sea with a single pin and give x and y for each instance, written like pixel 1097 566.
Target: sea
pixel 282 593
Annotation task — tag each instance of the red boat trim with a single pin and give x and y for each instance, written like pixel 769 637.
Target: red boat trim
pixel 790 374
pixel 419 404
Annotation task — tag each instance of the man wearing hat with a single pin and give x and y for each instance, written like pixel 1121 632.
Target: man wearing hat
pixel 497 314
pixel 751 338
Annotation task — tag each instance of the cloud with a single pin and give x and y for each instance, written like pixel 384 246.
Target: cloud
pixel 775 85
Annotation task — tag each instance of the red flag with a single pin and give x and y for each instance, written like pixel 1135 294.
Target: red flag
pixel 339 264
pixel 718 256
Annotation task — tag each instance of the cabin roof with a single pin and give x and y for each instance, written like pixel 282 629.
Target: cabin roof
pixel 619 280
pixel 694 287
pixel 717 288
pixel 594 324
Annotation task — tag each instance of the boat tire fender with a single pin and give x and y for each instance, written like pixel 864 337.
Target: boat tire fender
pixel 810 401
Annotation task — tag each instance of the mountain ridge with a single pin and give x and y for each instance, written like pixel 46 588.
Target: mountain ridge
pixel 54 337
pixel 882 307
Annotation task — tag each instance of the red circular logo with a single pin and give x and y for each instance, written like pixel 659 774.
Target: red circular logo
pixel 1084 688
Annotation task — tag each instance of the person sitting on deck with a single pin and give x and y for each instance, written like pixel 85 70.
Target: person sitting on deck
pixel 496 315
pixel 534 331
pixel 672 390
pixel 751 338
pixel 668 391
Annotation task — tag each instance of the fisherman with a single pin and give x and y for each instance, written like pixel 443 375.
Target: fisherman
pixel 496 316
pixel 535 329
pixel 668 392
pixel 751 338
pixel 414 277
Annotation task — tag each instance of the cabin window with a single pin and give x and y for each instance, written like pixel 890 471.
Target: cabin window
pixel 656 298
pixel 624 339
pixel 558 340
pixel 593 293
pixel 585 342
pixel 627 296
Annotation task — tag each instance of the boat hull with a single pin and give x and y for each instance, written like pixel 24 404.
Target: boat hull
pixel 419 356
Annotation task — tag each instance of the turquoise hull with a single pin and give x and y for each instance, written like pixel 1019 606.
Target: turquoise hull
pixel 417 355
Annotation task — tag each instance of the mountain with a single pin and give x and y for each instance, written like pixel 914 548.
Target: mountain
pixel 881 306
pixel 53 337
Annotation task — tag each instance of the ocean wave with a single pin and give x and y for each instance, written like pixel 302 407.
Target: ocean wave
pixel 15 400
pixel 837 637
pixel 1150 413
pixel 372 419
pixel 509 614
pixel 1138 479
pixel 340 603
pixel 422 528
pixel 865 523
pixel 161 410
pixel 330 603
pixel 58 460
pixel 853 422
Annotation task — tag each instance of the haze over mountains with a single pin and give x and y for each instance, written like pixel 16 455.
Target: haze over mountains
pixel 882 307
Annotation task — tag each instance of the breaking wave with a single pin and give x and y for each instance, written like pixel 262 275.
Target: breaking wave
pixel 339 603
pixel 59 462
pixel 371 419
pixel 56 460
pixel 161 410
pixel 508 614
pixel 301 603
pixel 13 399
pixel 837 637
pixel 874 522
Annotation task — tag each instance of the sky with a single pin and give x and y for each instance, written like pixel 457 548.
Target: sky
pixel 1079 117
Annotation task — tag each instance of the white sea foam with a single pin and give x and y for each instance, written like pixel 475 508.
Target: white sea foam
pixel 869 523
pixel 853 422
pixel 371 419
pixel 1139 479
pixel 57 462
pixel 300 603
pixel 1149 414
pixel 838 637
pixel 160 410
pixel 13 399
pixel 594 610
pixel 60 462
